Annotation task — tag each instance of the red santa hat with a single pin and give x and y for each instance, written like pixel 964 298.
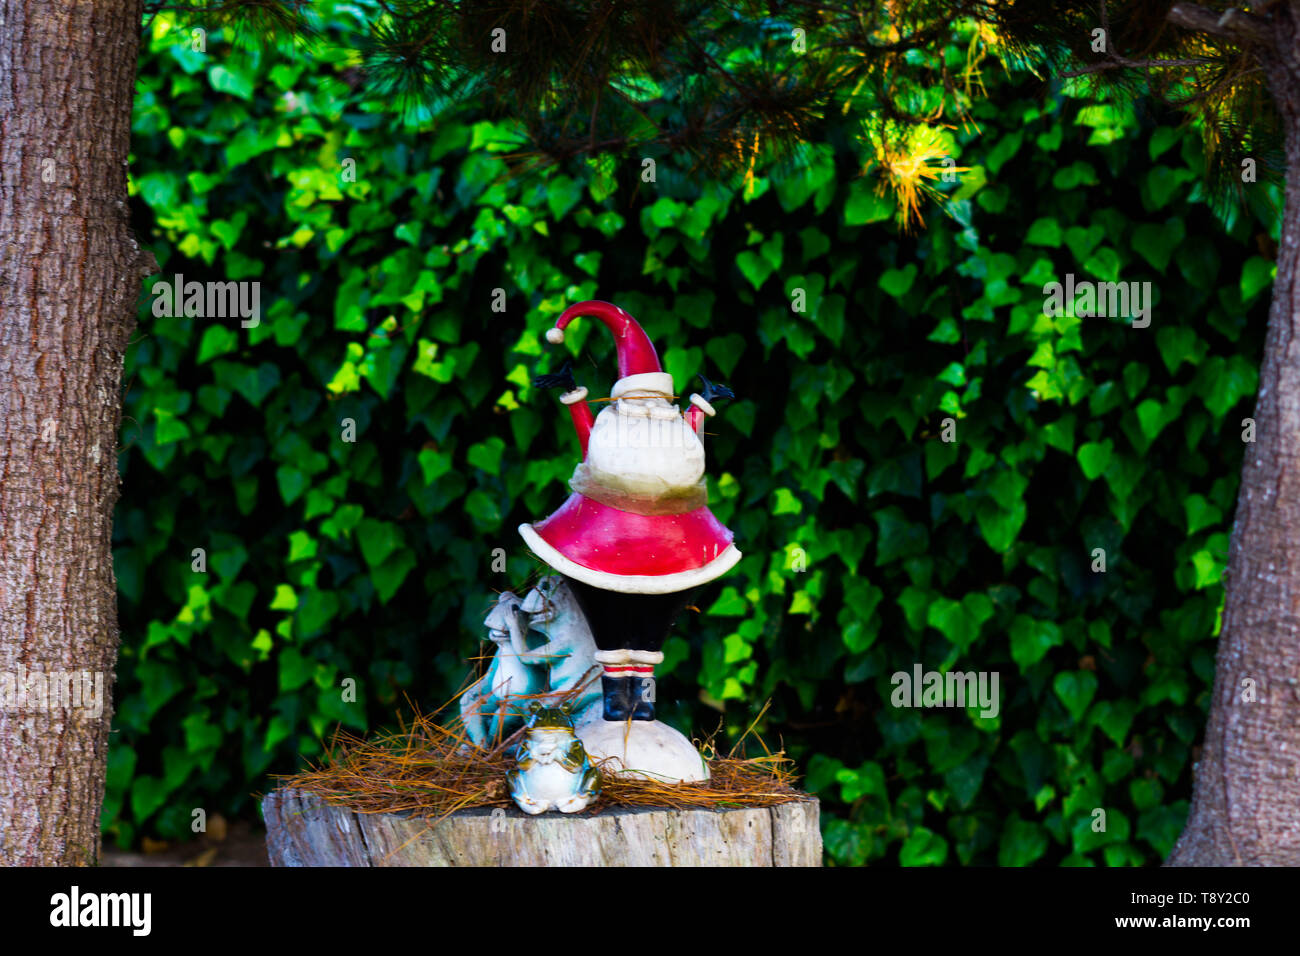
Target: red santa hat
pixel 638 520
pixel 638 362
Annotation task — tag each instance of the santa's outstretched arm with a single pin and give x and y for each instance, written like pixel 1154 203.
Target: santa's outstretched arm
pixel 699 410
pixel 702 405
pixel 575 397
pixel 581 413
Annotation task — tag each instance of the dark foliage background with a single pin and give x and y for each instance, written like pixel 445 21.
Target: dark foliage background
pixel 870 543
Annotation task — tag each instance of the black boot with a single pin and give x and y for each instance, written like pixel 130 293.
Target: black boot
pixel 643 698
pixel 618 704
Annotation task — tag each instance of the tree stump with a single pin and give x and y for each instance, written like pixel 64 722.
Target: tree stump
pixel 301 830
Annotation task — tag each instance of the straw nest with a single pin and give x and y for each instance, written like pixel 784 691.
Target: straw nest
pixel 432 770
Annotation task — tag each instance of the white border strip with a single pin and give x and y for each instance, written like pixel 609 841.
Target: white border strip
pixel 630 583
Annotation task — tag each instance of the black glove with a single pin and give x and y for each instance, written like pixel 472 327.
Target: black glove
pixel 562 379
pixel 713 392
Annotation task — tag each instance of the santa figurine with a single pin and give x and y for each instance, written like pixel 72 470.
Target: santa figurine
pixel 636 536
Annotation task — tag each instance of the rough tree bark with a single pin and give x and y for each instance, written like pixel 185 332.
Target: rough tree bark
pixel 1246 803
pixel 70 275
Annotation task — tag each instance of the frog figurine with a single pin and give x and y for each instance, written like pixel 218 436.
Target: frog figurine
pixel 552 771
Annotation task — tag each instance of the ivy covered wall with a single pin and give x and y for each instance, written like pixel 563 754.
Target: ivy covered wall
pixel 353 466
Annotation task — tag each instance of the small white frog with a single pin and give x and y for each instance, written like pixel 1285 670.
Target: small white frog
pixel 552 771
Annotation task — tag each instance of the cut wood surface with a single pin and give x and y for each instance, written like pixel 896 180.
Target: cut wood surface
pixel 301 830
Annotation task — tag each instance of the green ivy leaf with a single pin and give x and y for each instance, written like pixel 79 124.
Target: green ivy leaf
pixel 1200 514
pixel 896 282
pixel 170 428
pixel 754 267
pixel 1162 183
pixel 217 340
pixel 484 509
pixel 725 351
pixel 966 779
pixel 1157 243
pixel 1179 344
pixel 292 483
pixel 160 189
pixel 388 577
pixel 301 546
pixel 1222 383
pixel 378 540
pixel 1000 526
pixel 1023 842
pixel 923 848
pixel 864 206
pixel 1094 457
pixel 1256 276
pixel 960 622
pixel 1007 147
pixel 148 793
pixel 200 734
pixel 1044 232
pixel 898 537
pixel 232 80
pixel 1032 639
pixel 729 604
pixel 486 455
pixel 1075 690
pixel 295 669
pixel 285 598
pixel 1116 719
pixel 433 464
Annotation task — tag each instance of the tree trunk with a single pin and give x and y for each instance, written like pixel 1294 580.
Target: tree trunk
pixel 302 830
pixel 70 276
pixel 1246 802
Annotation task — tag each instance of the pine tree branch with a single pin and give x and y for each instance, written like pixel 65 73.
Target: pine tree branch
pixel 1208 93
pixel 1117 62
pixel 1233 25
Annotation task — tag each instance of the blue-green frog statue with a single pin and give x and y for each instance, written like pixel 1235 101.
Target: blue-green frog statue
pixel 552 771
